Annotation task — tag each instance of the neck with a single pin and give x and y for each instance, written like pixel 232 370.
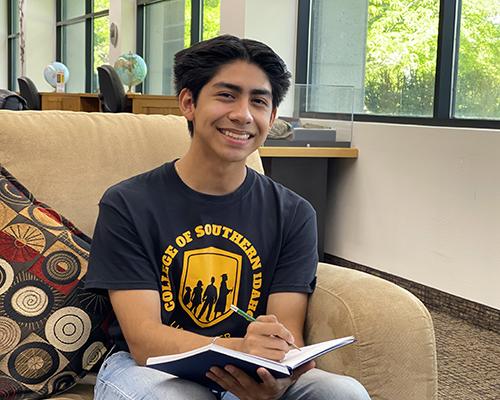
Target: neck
pixel 210 176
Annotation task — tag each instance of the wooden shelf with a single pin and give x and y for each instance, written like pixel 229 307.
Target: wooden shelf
pixel 324 152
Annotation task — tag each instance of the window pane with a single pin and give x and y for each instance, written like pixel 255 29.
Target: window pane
pixel 187 23
pixel 211 18
pixel 478 80
pixel 164 36
pixel 72 9
pixel 101 46
pixel 73 56
pixel 100 5
pixel 386 49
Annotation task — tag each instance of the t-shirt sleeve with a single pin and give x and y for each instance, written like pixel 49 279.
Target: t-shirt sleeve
pixel 298 260
pixel 118 259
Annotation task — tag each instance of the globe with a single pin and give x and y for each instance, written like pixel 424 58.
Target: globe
pixel 50 73
pixel 131 69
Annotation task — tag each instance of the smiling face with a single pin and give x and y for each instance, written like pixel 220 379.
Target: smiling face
pixel 233 112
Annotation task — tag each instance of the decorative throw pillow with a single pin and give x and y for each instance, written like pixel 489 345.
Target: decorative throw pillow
pixel 52 332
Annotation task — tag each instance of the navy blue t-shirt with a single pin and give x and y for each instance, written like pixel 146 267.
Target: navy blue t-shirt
pixel 202 252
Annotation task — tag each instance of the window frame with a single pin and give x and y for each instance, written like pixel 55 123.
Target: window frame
pixel 88 19
pixel 196 28
pixel 12 37
pixel 446 70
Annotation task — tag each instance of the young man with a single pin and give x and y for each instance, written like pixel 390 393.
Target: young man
pixel 176 246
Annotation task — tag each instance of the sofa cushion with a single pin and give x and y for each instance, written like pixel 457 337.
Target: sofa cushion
pixel 51 330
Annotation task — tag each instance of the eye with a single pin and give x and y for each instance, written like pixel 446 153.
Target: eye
pixel 261 102
pixel 225 95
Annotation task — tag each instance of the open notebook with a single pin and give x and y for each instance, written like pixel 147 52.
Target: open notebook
pixel 194 364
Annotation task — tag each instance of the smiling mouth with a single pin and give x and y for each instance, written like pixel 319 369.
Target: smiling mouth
pixel 236 135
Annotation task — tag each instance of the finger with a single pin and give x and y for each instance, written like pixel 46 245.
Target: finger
pixel 267 378
pixel 265 328
pixel 271 385
pixel 223 379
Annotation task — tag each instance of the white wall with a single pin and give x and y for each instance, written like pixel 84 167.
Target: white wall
pixel 3 45
pixel 422 203
pixel 40 39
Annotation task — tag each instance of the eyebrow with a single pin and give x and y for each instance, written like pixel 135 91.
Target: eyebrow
pixel 238 89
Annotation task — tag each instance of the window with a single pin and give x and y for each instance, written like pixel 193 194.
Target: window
pixel 426 61
pixel 13 38
pixel 478 80
pixel 83 41
pixel 164 27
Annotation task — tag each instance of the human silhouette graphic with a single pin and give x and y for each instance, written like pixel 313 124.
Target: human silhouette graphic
pixel 220 306
pixel 209 298
pixel 196 297
pixel 186 299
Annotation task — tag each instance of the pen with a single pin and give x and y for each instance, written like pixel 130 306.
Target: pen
pixel 248 317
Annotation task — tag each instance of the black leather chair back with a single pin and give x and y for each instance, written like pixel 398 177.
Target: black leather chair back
pixel 29 92
pixel 112 94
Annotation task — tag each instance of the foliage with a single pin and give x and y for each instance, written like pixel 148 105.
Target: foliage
pixel 478 86
pixel 187 23
pixel 101 42
pixel 401 58
pixel 211 18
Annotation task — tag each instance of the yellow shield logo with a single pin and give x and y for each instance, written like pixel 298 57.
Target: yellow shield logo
pixel 209 284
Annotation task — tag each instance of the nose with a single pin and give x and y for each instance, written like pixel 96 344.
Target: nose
pixel 241 112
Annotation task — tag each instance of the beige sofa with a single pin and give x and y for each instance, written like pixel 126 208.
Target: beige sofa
pixel 68 159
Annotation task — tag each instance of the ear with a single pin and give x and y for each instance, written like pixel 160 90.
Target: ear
pixel 273 117
pixel 186 104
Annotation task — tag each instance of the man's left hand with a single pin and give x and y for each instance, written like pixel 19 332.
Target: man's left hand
pixel 245 387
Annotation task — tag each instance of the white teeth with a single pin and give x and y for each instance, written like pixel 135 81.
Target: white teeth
pixel 238 136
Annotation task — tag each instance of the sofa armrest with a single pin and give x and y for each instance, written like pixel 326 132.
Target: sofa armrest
pixel 395 353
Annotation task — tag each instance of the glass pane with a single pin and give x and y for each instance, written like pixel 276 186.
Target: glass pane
pixel 386 49
pixel 14 16
pixel 101 46
pixel 187 23
pixel 211 18
pixel 163 37
pixel 73 56
pixel 72 8
pixel 100 5
pixel 478 80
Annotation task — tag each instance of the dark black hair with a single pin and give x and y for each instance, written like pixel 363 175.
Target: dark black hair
pixel 198 64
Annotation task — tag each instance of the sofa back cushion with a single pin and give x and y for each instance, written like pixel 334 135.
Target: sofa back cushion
pixel 68 159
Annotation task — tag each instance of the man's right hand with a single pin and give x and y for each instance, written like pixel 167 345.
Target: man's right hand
pixel 267 337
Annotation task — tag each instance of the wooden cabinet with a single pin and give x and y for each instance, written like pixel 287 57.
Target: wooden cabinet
pixel 70 101
pixel 154 104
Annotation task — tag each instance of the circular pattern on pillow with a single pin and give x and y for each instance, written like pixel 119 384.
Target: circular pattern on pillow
pixel 6 276
pixel 9 388
pixel 28 301
pixel 21 242
pixel 46 217
pixel 93 354
pixel 10 194
pixel 10 334
pixel 68 328
pixel 61 267
pixel 33 362
pixel 61 382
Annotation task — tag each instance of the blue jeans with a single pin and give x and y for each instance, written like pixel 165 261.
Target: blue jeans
pixel 120 378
